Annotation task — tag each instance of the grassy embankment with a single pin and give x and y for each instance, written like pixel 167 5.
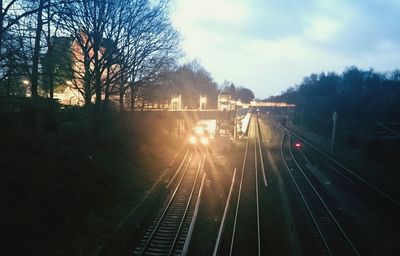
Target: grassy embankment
pixel 65 190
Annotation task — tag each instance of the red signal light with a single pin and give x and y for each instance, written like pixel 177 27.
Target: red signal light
pixel 297 145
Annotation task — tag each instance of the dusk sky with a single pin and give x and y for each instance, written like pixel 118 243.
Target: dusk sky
pixel 268 46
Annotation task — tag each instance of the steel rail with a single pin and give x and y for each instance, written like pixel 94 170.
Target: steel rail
pixel 323 202
pixel 238 199
pixel 147 194
pixel 303 199
pixel 178 170
pixel 256 189
pixel 201 165
pixel 377 190
pixel 166 208
pixel 261 155
pixel 342 232
pixel 196 210
pixel 257 200
pixel 222 225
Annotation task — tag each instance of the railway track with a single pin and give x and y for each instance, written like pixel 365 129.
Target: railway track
pixel 170 232
pixel 244 238
pixel 334 239
pixel 367 212
pixel 348 174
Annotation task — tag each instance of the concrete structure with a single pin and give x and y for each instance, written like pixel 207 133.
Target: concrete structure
pixel 225 102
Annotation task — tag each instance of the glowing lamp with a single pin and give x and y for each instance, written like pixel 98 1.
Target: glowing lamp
pixel 204 140
pixel 192 140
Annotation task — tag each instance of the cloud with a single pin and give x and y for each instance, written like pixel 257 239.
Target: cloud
pixel 200 14
pixel 322 28
pixel 269 46
pixel 273 20
pixel 361 26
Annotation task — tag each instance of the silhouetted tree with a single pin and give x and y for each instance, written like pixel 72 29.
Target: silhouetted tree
pixel 57 65
pixel 123 45
pixel 361 99
pixel 11 13
pixel 190 80
pixel 244 94
pixel 36 50
pixel 152 46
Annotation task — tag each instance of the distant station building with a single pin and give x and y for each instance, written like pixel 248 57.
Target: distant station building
pixel 271 104
pixel 225 102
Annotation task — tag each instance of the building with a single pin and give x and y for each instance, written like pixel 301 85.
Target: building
pixel 70 88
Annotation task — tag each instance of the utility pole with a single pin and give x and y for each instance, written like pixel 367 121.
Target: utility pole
pixel 334 116
pixel 235 123
pixel 301 121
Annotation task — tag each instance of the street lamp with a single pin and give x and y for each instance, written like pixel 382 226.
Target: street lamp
pixel 28 92
pixel 176 102
pixel 203 102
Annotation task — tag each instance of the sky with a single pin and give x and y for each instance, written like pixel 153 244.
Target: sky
pixel 271 45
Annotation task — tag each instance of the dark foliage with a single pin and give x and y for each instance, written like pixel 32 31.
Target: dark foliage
pixel 244 94
pixel 362 99
pixel 190 80
pixel 65 190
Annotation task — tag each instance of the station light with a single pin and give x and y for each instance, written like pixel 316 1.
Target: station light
pixel 203 102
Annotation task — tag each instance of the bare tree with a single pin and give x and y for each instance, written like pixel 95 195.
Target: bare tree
pixel 89 21
pixel 122 44
pixel 16 58
pixel 190 80
pixel 23 21
pixel 13 65
pixel 154 46
pixel 11 12
pixel 36 49
pixel 244 94
pixel 51 31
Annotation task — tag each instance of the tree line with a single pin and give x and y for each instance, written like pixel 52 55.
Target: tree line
pixel 100 47
pixel 192 80
pixel 120 49
pixel 362 99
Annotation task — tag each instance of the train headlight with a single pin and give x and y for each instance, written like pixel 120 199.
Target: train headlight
pixel 192 140
pixel 204 140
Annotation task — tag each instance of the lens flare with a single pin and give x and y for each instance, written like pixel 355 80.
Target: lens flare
pixel 192 140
